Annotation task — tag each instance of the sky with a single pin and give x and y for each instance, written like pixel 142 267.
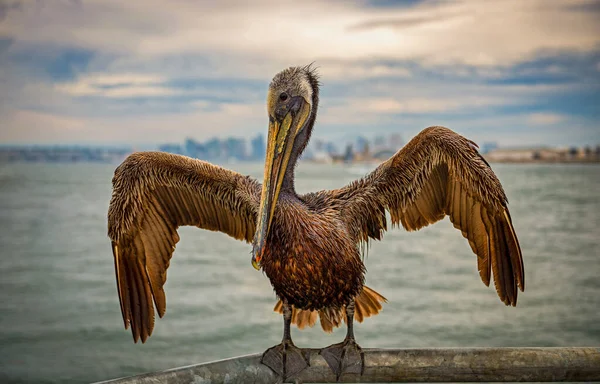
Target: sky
pixel 105 72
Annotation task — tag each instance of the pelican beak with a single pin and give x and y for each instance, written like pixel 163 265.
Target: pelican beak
pixel 284 127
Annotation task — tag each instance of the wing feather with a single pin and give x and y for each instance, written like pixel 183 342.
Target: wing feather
pixel 480 239
pixel 456 207
pixel 440 173
pixel 153 194
pixel 497 251
pixel 515 249
pixel 464 214
pixel 154 266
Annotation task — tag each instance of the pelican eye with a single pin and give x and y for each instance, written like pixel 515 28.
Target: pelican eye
pixel 283 96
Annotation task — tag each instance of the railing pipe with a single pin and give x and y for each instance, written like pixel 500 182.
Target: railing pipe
pixel 404 365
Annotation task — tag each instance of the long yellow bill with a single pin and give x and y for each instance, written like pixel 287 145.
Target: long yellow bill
pixel 280 143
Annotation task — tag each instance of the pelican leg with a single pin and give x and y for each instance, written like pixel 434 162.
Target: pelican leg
pixel 285 359
pixel 347 356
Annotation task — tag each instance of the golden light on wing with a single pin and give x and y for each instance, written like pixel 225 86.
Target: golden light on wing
pixel 440 173
pixel 153 194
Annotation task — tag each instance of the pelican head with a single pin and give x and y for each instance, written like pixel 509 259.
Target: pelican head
pixel 291 106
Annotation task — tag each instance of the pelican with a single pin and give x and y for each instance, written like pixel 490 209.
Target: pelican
pixel 309 246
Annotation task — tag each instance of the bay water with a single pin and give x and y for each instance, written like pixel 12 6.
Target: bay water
pixel 60 320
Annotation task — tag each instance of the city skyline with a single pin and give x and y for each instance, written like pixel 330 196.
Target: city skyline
pixel 140 73
pixel 362 148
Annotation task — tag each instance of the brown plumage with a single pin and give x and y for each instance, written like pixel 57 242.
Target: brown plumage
pixel 153 194
pixel 309 245
pixel 439 173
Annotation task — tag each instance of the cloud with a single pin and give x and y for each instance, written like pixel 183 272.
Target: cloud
pixel 467 32
pixel 5 43
pixel 38 127
pixel 420 105
pixel 545 118
pixel 401 22
pixel 516 130
pixel 7 7
pixel 143 71
pixel 117 86
pixel 205 120
pixel 335 70
pixel 43 128
pixel 388 101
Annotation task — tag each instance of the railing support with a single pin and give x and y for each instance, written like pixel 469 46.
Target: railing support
pixel 405 365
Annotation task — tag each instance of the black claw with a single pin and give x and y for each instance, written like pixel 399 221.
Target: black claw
pixel 286 360
pixel 344 357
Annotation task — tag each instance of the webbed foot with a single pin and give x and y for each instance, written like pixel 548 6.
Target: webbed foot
pixel 286 360
pixel 344 357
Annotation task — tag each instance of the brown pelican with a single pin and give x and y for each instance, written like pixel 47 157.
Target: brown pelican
pixel 309 246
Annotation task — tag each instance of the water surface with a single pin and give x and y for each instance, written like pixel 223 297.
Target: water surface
pixel 59 312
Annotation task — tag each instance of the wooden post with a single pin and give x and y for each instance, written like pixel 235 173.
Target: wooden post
pixel 405 365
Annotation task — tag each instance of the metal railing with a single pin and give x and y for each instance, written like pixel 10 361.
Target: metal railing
pixel 404 365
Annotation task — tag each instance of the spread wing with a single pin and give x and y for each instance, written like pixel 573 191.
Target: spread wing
pixel 440 173
pixel 153 194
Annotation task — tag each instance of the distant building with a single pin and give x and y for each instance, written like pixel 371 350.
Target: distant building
pixel 395 141
pixel 317 145
pixel 379 143
pixel 487 147
pixel 213 149
pixel 320 157
pixel 361 143
pixel 349 154
pixel 359 150
pixel 511 155
pixel 317 151
pixel 62 154
pixel 258 147
pixel 171 148
pixel 235 149
pixel 196 149
pixel 548 155
pixel 330 148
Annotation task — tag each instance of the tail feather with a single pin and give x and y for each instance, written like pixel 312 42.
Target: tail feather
pixel 326 323
pixel 371 300
pixel 366 304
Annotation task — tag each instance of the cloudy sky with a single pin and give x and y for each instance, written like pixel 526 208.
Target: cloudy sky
pixel 520 72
